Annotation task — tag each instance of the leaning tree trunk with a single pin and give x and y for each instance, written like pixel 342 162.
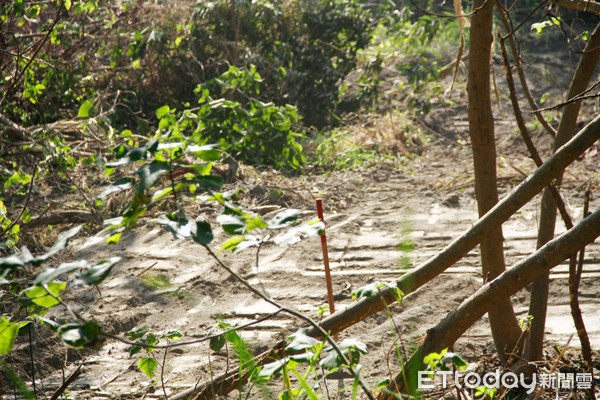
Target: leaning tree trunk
pixel 455 324
pixel 539 289
pixel 503 322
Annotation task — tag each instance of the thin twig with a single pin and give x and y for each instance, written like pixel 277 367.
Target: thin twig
pixel 190 342
pixel 504 16
pixel 260 243
pixel 162 372
pixel 554 365
pixel 513 31
pixel 574 99
pixel 32 365
pixel 428 129
pixel 66 383
pixel 92 207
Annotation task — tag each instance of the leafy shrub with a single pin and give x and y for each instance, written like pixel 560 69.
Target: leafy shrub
pixel 248 129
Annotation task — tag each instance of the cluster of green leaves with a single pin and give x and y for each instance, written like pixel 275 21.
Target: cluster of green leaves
pixel 143 339
pixel 445 360
pixel 307 363
pixel 34 298
pixel 420 43
pixel 10 229
pixel 246 128
pixel 52 79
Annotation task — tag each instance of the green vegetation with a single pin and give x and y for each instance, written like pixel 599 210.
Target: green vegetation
pixel 144 107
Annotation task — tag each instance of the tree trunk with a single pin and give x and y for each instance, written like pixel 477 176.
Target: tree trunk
pixel 539 289
pixel 503 322
pixel 444 334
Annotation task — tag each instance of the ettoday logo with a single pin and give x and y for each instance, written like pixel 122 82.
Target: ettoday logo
pixel 509 380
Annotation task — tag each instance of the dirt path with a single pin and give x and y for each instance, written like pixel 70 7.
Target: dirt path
pixel 167 284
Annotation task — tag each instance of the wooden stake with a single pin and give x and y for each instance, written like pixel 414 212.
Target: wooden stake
pixel 326 261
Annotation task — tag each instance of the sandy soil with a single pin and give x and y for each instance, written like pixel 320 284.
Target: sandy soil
pixel 164 284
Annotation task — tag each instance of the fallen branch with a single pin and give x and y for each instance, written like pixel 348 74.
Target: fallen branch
pixel 66 383
pixel 62 217
pixel 452 327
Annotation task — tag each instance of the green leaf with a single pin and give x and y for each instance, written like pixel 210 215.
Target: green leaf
pixel 457 360
pixel 86 109
pixel 231 243
pixel 98 272
pixel 373 289
pixel 52 273
pixel 173 335
pixel 432 358
pixel 159 194
pixel 209 182
pixel 151 341
pixel 353 344
pixel 301 341
pixel 118 186
pixel 255 222
pixel 272 369
pixel 232 224
pixel 170 145
pixel 162 111
pixel 53 325
pixel 539 26
pixel 221 197
pixel 238 244
pixel 181 228
pixel 81 335
pixel 295 235
pixel 135 154
pixel 147 365
pixel 67 4
pixel 200 169
pixel 207 152
pixel 217 343
pixel 150 174
pixel 61 243
pixel 16 260
pixel 284 219
pixel 137 333
pixel 8 333
pixel 202 234
pixel 46 296
pixel 368 291
pixel 331 362
pixel 303 357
